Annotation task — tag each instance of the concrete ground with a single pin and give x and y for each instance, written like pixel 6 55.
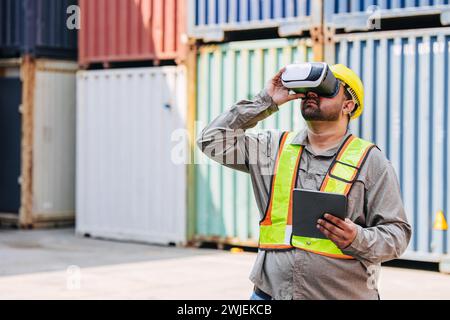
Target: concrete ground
pixel 57 265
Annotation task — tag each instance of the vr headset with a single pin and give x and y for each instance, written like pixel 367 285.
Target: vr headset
pixel 311 77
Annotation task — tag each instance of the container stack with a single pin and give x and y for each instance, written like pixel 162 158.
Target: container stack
pixel 401 50
pixel 38 50
pixel 131 115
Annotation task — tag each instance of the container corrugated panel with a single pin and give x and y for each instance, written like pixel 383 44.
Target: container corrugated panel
pixel 130 30
pixel 354 14
pixel 54 139
pixel 406 78
pixel 225 206
pixel 131 185
pixel 209 19
pixel 37 27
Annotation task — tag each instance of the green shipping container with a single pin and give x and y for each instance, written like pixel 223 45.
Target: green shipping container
pixel 225 208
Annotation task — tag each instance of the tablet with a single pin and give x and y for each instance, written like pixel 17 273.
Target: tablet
pixel 309 206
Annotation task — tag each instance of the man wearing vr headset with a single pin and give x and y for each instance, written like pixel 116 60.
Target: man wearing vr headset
pixel 329 158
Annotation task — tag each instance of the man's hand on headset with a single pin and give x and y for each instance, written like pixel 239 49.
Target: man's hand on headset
pixel 280 95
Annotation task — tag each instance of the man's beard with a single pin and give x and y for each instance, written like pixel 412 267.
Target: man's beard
pixel 311 111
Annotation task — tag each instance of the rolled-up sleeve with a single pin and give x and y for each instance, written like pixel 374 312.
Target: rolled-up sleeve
pixel 388 232
pixel 225 140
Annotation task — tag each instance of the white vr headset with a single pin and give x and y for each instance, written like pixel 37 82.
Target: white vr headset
pixel 311 77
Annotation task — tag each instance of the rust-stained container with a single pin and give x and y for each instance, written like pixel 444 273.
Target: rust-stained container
pixel 37 145
pixel 131 30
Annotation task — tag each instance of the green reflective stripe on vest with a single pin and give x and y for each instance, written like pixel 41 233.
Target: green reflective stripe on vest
pixel 275 234
pixel 355 151
pixel 318 245
pixel 335 186
pixel 343 171
pixel 282 188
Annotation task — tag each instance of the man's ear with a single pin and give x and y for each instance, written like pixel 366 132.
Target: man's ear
pixel 349 107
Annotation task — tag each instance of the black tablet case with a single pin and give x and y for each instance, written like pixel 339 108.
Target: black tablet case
pixel 309 206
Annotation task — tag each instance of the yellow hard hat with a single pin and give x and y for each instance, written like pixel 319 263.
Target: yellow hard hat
pixel 355 86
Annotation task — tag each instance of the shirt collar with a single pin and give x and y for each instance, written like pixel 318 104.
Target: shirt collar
pixel 302 139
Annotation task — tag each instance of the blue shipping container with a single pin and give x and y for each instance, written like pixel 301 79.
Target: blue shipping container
pixel 210 19
pixel 406 79
pixel 356 14
pixel 36 27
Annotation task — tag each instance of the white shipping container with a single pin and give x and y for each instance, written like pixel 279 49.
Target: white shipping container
pixel 54 140
pixel 129 187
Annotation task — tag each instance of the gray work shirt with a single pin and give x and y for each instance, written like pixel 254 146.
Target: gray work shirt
pixel 374 204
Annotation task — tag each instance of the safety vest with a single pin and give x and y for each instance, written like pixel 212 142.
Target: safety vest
pixel 276 227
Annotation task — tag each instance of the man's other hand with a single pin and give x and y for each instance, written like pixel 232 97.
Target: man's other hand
pixel 280 95
pixel 341 232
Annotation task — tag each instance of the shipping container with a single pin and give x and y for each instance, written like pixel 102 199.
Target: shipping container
pixel 359 14
pixel 42 28
pixel 37 162
pixel 131 172
pixel 210 19
pixel 130 30
pixel 406 78
pixel 225 209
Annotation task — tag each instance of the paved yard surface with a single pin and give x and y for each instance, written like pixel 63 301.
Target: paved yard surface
pixel 57 265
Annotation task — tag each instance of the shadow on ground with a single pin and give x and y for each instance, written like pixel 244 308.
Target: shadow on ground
pixel 23 252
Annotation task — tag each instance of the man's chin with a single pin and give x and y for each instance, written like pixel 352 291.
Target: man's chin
pixel 311 114
pixel 316 117
pixel 312 117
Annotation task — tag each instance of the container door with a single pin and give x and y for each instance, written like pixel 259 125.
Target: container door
pixel 131 181
pixel 10 137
